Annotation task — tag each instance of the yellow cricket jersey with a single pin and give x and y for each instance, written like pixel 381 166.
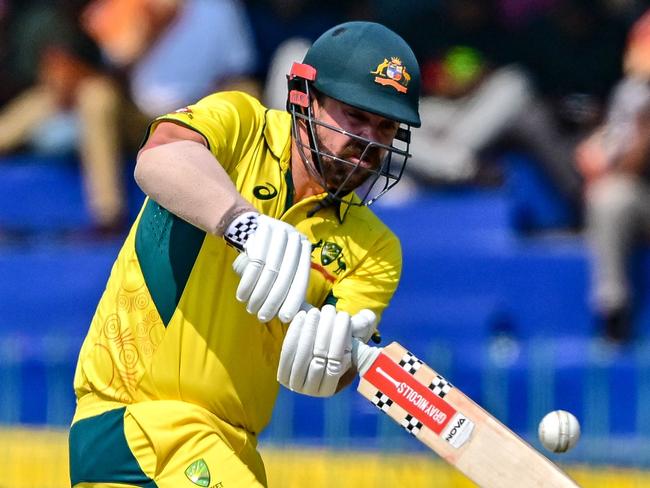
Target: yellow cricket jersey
pixel 168 326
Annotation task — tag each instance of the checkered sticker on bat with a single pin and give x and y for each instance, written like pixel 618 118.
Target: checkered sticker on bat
pixel 381 401
pixel 411 424
pixel 440 386
pixel 410 363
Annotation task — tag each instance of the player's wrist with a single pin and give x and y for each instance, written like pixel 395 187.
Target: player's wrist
pixel 241 228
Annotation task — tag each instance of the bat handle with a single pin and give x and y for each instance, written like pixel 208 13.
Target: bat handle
pixel 363 355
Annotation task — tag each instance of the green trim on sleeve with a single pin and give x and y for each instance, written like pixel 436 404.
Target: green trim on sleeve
pixel 99 452
pixel 167 248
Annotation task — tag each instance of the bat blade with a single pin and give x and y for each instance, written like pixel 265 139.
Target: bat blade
pixel 450 423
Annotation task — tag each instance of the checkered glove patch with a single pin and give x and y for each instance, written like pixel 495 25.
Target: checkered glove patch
pixel 410 363
pixel 440 386
pixel 411 424
pixel 241 229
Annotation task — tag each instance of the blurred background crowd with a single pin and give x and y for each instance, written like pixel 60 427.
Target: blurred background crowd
pixel 531 168
pixel 563 82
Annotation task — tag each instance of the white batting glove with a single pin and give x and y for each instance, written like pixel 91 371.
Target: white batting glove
pixel 316 351
pixel 274 266
pixel 364 325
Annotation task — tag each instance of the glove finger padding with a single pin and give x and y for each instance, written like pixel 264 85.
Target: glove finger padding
pixel 298 290
pixel 339 356
pixel 289 347
pixel 364 325
pixel 320 353
pixel 304 350
pixel 275 270
pixel 256 247
pixel 239 264
pixel 275 254
pixel 316 351
pixel 287 272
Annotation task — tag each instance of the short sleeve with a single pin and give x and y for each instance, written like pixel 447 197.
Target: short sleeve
pixel 231 122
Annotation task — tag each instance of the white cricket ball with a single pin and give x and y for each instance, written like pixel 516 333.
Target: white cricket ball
pixel 559 431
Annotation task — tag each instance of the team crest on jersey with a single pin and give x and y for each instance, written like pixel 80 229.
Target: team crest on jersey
pixel 331 252
pixel 392 73
pixel 198 473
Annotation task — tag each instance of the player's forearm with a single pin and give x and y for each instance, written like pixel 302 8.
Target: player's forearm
pixel 185 178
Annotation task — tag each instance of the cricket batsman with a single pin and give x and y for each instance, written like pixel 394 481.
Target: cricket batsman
pixel 250 215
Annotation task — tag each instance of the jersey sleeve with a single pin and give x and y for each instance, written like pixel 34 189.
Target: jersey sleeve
pixel 374 281
pixel 229 121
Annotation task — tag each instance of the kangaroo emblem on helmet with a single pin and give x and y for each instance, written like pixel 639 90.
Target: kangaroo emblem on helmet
pixel 392 73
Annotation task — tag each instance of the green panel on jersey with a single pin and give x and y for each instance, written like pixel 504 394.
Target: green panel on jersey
pixel 288 178
pixel 167 248
pixel 330 299
pixel 99 452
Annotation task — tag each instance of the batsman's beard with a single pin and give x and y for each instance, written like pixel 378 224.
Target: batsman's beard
pixel 342 173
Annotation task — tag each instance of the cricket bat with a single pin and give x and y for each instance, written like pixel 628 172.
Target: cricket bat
pixel 450 423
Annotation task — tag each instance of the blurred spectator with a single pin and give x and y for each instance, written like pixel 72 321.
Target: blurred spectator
pixel 276 21
pixel 517 13
pixel 22 39
pixel 71 98
pixel 275 88
pixel 488 89
pixel 471 92
pixel 164 54
pixel 615 161
pixel 7 90
pixel 285 29
pixel 573 53
pixel 175 52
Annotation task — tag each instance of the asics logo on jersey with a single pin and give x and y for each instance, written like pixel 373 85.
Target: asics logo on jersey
pixel 265 192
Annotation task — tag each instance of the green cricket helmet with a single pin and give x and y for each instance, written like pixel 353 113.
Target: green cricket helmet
pixel 369 67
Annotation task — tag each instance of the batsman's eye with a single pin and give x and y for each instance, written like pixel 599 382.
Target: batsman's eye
pixel 354 116
pixel 358 117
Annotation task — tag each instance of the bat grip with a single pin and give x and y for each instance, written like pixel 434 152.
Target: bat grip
pixel 363 355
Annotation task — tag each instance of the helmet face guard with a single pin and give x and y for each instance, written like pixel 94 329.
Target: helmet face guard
pixel 375 181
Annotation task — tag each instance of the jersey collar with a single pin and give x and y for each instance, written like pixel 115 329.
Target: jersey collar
pixel 339 207
pixel 277 133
